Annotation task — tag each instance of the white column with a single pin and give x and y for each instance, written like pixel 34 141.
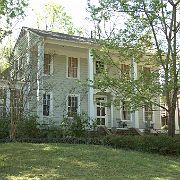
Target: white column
pixel 40 68
pixel 112 112
pixel 90 87
pixel 8 96
pixel 27 74
pixel 135 115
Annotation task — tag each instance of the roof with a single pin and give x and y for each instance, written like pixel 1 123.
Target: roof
pixel 58 35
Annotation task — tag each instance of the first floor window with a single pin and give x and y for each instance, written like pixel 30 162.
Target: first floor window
pixel 72 105
pixel 126 114
pixel 2 102
pixel 72 67
pixel 16 102
pixel 46 104
pixel 148 113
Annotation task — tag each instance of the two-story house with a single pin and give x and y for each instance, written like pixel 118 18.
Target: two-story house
pixel 57 73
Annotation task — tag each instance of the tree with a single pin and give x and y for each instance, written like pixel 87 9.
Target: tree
pixel 10 10
pixel 151 28
pixel 56 19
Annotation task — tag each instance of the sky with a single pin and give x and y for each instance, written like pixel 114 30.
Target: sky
pixel 75 8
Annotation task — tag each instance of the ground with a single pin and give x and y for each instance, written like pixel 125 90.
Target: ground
pixel 65 161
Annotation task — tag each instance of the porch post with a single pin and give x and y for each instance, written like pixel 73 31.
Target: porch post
pixel 40 68
pixel 112 112
pixel 8 100
pixel 27 87
pixel 90 87
pixel 135 115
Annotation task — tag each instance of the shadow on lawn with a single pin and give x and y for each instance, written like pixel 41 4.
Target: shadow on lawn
pixel 58 161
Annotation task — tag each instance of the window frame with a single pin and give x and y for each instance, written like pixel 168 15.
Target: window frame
pixel 49 64
pixel 124 68
pixel 128 111
pixel 144 115
pixel 50 104
pixel 67 67
pixel 3 102
pixel 67 103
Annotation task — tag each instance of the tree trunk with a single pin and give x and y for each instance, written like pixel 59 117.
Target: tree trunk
pixel 178 112
pixel 171 122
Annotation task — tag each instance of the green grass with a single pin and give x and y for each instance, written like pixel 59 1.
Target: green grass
pixel 65 161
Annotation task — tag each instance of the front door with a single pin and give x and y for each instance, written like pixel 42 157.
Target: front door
pixel 101 110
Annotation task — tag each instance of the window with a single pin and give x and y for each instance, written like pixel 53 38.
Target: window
pixel 126 113
pixel 125 69
pixel 2 103
pixel 99 67
pixel 72 105
pixel 72 67
pixel 101 110
pixel 16 102
pixel 148 113
pixel 47 64
pixel 46 104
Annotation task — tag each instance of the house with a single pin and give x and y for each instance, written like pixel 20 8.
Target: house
pixel 54 70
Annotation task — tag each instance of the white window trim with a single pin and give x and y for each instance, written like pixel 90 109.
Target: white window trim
pixel 78 69
pixel 121 114
pixel 51 65
pixel 73 95
pixel 51 104
pixel 152 115
pixel 106 110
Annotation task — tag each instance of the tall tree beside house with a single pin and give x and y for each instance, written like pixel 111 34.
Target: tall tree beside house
pixel 151 28
pixel 56 19
pixel 11 11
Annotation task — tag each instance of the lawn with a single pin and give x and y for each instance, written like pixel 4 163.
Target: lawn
pixel 65 161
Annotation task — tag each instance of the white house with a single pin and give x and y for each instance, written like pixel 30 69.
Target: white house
pixel 55 68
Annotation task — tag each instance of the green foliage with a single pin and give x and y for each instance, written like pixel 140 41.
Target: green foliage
pixel 76 125
pixel 27 127
pixel 4 127
pixel 56 19
pixel 149 36
pixel 154 144
pixel 9 10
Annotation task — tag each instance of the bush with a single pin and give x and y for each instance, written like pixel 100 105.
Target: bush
pixel 76 126
pixel 154 144
pixel 4 127
pixel 27 128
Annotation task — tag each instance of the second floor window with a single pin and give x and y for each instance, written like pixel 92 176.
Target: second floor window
pixel 125 70
pixel 99 67
pixel 72 67
pixel 47 64
pixel 46 104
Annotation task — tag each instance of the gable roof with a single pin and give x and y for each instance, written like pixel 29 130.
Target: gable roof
pixel 58 35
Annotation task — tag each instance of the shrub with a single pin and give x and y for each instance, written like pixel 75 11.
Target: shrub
pixel 27 127
pixel 154 144
pixel 76 126
pixel 4 127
